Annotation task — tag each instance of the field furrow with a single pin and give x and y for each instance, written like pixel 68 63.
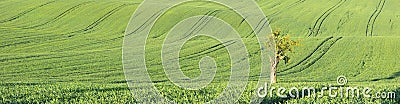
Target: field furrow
pixel 257 29
pixel 200 24
pixel 274 14
pixel 49 38
pixel 98 21
pixel 315 30
pixel 60 16
pixel 308 56
pixel 371 22
pixel 25 12
pixel 208 50
pixel 311 61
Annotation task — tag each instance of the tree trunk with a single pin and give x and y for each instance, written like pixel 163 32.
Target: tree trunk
pixel 274 63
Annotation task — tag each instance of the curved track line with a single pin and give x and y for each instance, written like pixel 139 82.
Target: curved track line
pixel 314 31
pixel 209 50
pixel 59 16
pixel 199 25
pixel 16 63
pixel 20 58
pixel 308 56
pixel 258 29
pixel 91 44
pixel 371 22
pixel 54 34
pixel 310 62
pixel 147 22
pixel 25 12
pixel 286 8
pixel 70 34
pixel 98 21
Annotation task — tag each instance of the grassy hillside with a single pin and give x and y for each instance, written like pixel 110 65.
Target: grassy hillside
pixel 71 51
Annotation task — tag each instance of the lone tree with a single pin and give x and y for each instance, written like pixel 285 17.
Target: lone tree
pixel 283 45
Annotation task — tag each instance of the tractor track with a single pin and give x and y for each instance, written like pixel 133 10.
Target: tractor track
pixel 25 12
pixel 160 34
pixel 70 34
pixel 47 56
pixel 19 58
pixel 308 56
pixel 209 50
pixel 90 27
pixel 37 58
pixel 147 22
pixel 200 24
pixel 88 44
pixel 314 31
pixel 372 19
pixel 322 49
pixel 59 16
pixel 29 39
pixel 286 8
pixel 258 28
pixel 60 34
pixel 73 63
pixel 76 46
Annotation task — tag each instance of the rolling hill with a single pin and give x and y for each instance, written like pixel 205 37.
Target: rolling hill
pixel 71 51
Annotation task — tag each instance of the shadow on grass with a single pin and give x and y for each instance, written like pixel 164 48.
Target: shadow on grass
pixel 395 75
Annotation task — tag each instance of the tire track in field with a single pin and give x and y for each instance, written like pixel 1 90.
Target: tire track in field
pixel 59 16
pixel 314 31
pixel 311 59
pixel 199 25
pixel 49 60
pixel 20 60
pixel 372 19
pixel 209 50
pixel 44 34
pixel 33 37
pixel 308 56
pixel 89 44
pixel 257 29
pixel 4 59
pixel 286 8
pixel 90 27
pixel 147 22
pixel 50 55
pixel 393 76
pixel 25 12
pixel 49 36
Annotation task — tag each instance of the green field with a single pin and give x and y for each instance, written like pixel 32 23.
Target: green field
pixel 71 51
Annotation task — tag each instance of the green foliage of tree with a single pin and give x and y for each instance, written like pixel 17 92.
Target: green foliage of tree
pixel 283 45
